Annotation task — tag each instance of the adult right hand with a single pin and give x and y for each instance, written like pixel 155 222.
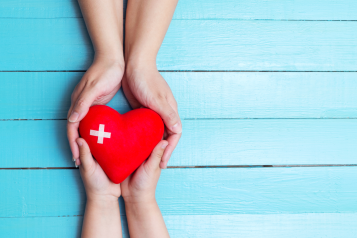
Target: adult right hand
pixel 98 86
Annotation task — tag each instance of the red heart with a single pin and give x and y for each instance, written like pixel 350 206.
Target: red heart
pixel 132 137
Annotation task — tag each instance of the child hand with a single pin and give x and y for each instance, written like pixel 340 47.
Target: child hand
pixel 96 183
pixel 140 186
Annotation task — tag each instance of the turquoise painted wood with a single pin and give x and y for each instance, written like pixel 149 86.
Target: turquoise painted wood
pixel 203 143
pixel 203 9
pixel 229 118
pixel 49 97
pixel 203 226
pixel 190 45
pixel 222 95
pixel 205 191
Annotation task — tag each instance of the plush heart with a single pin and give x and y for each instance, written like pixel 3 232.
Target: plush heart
pixel 120 143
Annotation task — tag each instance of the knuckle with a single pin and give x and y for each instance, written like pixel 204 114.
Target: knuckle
pixel 171 116
pixel 161 97
pixel 73 96
pixel 152 104
pixel 82 103
pixel 93 84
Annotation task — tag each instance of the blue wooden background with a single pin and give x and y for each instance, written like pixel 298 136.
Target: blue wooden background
pixel 267 92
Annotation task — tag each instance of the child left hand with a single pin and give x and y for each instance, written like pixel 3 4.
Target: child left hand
pixel 140 186
pixel 96 182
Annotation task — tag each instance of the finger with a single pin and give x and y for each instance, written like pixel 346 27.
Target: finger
pixel 173 141
pixel 74 97
pixel 81 107
pixel 169 116
pixel 134 103
pixel 154 160
pixel 72 134
pixel 86 159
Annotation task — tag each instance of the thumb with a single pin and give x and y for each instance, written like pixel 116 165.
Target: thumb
pixel 81 107
pixel 170 117
pixel 156 155
pixel 85 156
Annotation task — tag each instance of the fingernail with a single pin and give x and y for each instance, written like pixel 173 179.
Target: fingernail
pixel 75 165
pixel 175 129
pixel 74 159
pixel 74 116
pixel 163 146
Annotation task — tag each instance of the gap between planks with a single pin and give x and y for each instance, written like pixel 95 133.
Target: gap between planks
pixel 191 19
pixel 188 71
pixel 212 119
pixel 210 166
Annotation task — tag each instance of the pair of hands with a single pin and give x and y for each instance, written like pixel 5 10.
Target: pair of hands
pixel 139 187
pixel 143 86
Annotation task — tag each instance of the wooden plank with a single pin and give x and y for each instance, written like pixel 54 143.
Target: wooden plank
pixel 47 227
pixel 39 9
pixel 199 94
pixel 203 143
pixel 260 9
pixel 308 225
pixel 190 45
pixel 49 97
pixel 214 191
pixel 259 46
pixel 202 9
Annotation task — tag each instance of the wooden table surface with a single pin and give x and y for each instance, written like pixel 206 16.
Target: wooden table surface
pixel 267 93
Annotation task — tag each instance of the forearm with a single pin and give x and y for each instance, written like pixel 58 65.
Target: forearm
pixel 145 220
pixel 146 24
pixel 102 219
pixel 104 21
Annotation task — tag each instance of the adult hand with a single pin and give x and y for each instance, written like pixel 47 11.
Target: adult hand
pixel 98 86
pixel 146 87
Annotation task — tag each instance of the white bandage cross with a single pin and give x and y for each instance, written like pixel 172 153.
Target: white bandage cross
pixel 101 134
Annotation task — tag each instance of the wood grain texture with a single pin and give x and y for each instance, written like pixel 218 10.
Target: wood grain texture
pixel 327 225
pixel 201 9
pixel 49 97
pixel 203 143
pixel 214 191
pixel 190 45
pixel 199 94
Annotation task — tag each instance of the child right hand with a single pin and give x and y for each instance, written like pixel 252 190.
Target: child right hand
pixel 140 186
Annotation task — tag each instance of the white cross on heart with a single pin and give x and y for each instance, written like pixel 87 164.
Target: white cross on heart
pixel 101 134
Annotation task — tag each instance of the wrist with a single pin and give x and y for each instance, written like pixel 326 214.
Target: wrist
pixel 148 199
pixel 137 67
pixel 101 199
pixel 110 58
pixel 144 56
pixel 140 208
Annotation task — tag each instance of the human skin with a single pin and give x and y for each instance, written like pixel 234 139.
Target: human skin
pixel 102 214
pixel 104 20
pixel 138 190
pixel 146 24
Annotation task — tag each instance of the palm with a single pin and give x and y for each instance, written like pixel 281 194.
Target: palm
pixel 135 182
pixel 100 183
